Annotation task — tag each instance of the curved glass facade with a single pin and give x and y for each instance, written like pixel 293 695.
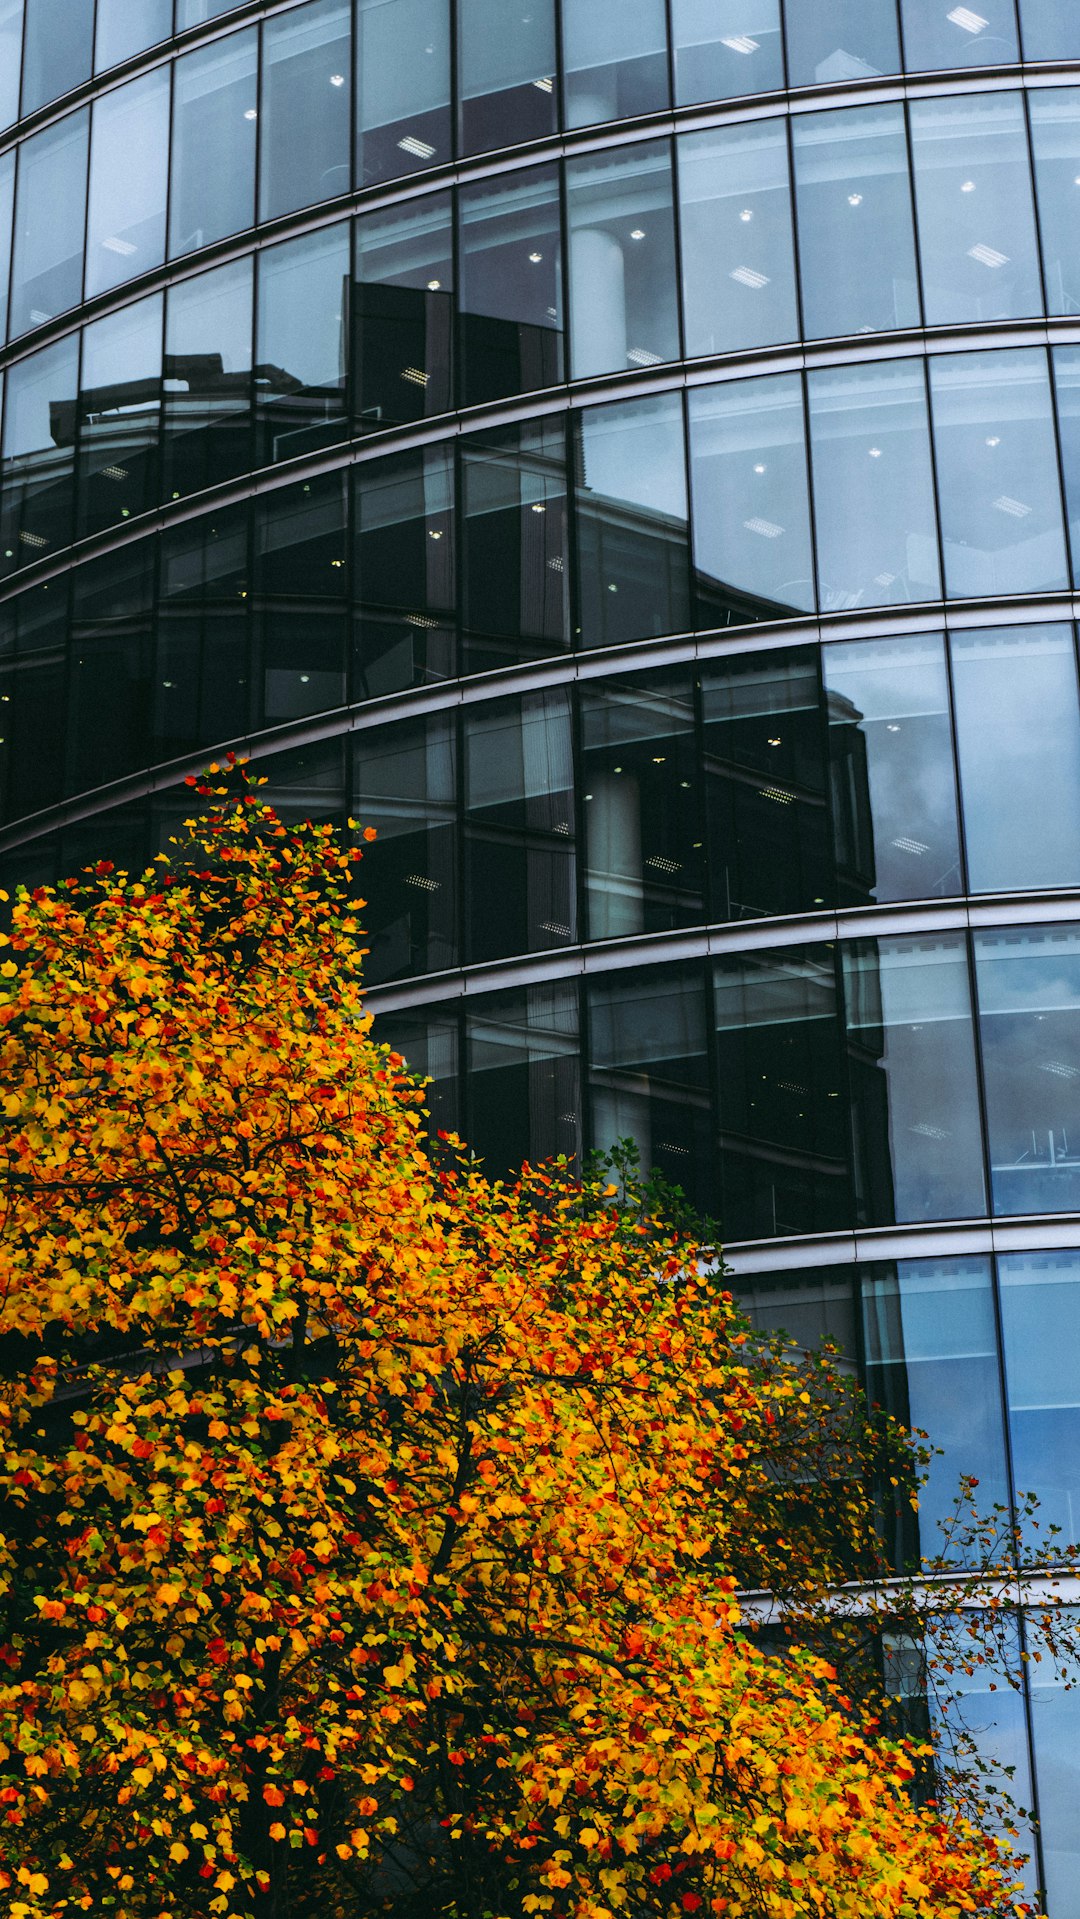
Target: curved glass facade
pixel 631 458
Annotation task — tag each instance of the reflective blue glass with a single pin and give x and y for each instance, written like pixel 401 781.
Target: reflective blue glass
pixel 193 13
pixel 300 343
pixel 11 24
pixel 737 251
pixel 649 1073
pixel 630 503
pixel 123 29
pixel 403 87
pixel 304 114
pixel 212 186
pixel 510 291
pixel 939 34
pixel 401 312
pixel 7 207
pixel 1055 1730
pixel 623 282
pixel 1055 139
pixel 207 408
pixel 854 205
pixel 873 486
pixel 1029 1000
pixel 1049 29
pixel 506 72
pixel 50 202
pixel 129 166
pixel 848 40
pixel 1040 1323
pixel 58 49
pixel 519 826
pixel 37 463
pixel 119 415
pixel 523 1075
pixel 998 485
pixel 724 48
pixel 752 551
pixel 614 62
pixel 977 240
pixel 1017 709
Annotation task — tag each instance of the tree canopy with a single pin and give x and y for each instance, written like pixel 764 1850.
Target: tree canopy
pixel 372 1530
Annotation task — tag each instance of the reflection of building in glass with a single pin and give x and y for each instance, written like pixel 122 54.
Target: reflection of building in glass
pixel 631 458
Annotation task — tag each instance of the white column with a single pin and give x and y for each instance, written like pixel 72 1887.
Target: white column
pixel 597 303
pixel 615 877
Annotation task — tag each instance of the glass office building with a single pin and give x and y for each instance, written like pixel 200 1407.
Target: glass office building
pixel 630 455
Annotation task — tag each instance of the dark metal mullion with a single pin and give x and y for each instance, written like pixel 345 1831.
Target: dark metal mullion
pixel 935 490
pixel 1059 453
pixel 913 203
pixel 1039 1857
pixel 793 219
pixel 1033 179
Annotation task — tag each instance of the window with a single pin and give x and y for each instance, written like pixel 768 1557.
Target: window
pixel 1029 998
pixel 50 204
pixel 304 133
pixel 404 571
pixel 402 313
pixel 193 13
pixel 854 206
pixel 506 72
pixel 519 826
pixel 623 307
pixel 614 64
pixel 36 468
pixel 873 487
pixel 938 34
pixel 737 256
pixel 57 49
pixel 1054 1713
pixel 523 1076
pixel 123 29
pixel 724 48
pixel 213 157
pixel 848 40
pixel 977 243
pixel 630 503
pixel 7 208
pixel 207 378
pixel 1049 29
pixel 510 327
pixel 119 415
pixel 1055 136
pixel 649 1074
pixel 514 545
pixel 300 348
pixel 752 555
pixel 110 657
pixel 641 804
pixel 430 1044
pixel 1040 1323
pixel 403 87
pixel 202 673
pixel 11 25
pixel 129 152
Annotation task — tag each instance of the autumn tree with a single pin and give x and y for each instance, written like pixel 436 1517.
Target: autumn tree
pixel 372 1531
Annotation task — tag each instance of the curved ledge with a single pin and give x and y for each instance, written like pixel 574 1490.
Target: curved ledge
pixel 939 1239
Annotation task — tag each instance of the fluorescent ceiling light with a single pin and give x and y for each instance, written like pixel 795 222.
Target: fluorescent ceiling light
pixel 739 43
pixel 115 245
pixel 750 277
pixel 421 148
pixel 971 22
pixel 1015 508
pixel 641 356
pixel 767 528
pixel 987 256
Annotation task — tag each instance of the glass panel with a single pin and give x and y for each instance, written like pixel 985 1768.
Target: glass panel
pixel 726 47
pixel 765 785
pixel 403 87
pixel 203 671
pixel 7 208
pixel 307 782
pixel 510 329
pixel 404 513
pixel 614 64
pixel 1055 138
pixel 854 204
pixel 109 666
pixel 849 40
pixel 405 786
pixel 938 34
pixel 519 851
pixel 873 487
pixel 11 23
pixel 893 780
pixel 208 378
pixel 1040 1323
pixel 641 807
pixel 213 157
pixel 932 1362
pixel 1029 997
pixel 914 1093
pixel 783 1144
pixel 123 29
pixel 1017 714
pixel 47 265
pixel 649 1074
pixel 623 306
pixel 304 115
pixel 57 49
pixel 631 521
pixel 988 1704
pixel 977 241
pixel 523 1076
pixel 192 13
pixel 1067 387
pixel 1055 1728
pixel 129 164
pixel 38 454
pixel 515 573
pixel 737 255
pixel 300 590
pixel 119 416
pixel 402 312
pixel 752 553
pixel 37 690
pixel 506 72
pixel 300 345
pixel 429 1043
pixel 997 469
pixel 1049 33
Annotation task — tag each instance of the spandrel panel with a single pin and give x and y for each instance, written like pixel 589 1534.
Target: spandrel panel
pixel 1040 1323
pixel 401 313
pixel 1055 139
pixel 58 48
pixel 304 114
pixel 737 248
pixel 630 504
pixel 519 827
pixel 752 551
pixel 1055 1726
pixel 893 776
pixel 854 207
pixel 649 1075
pixel 129 165
pixel 208 322
pixel 848 40
pixel 1018 738
pixel 123 29
pixel 506 72
pixel 403 87
pixel 510 324
pixel 37 464
pixel 623 280
pixel 7 209
pixel 212 187
pixel 642 807
pixel 873 487
pixel 11 24
pixel 783 1135
pixel 1048 29
pixel 523 1076
pixel 725 48
pixel 514 545
pixel 405 786
pixel 47 260
pixel 914 1092
pixel 300 345
pixel 1029 1001
pixel 119 416
pixel 998 487
pixel 614 61
pixel 977 238
pixel 939 35
pixel 765 785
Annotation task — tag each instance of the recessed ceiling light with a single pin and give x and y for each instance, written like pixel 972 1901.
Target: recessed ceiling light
pixel 421 149
pixel 875 453
pixel 536 258
pixel 964 17
pixel 337 79
pixel 967 186
pixel 637 233
pixel 251 113
pixel 433 286
pixel 746 214
pixel 854 199
pixel 993 439
pixel 760 467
